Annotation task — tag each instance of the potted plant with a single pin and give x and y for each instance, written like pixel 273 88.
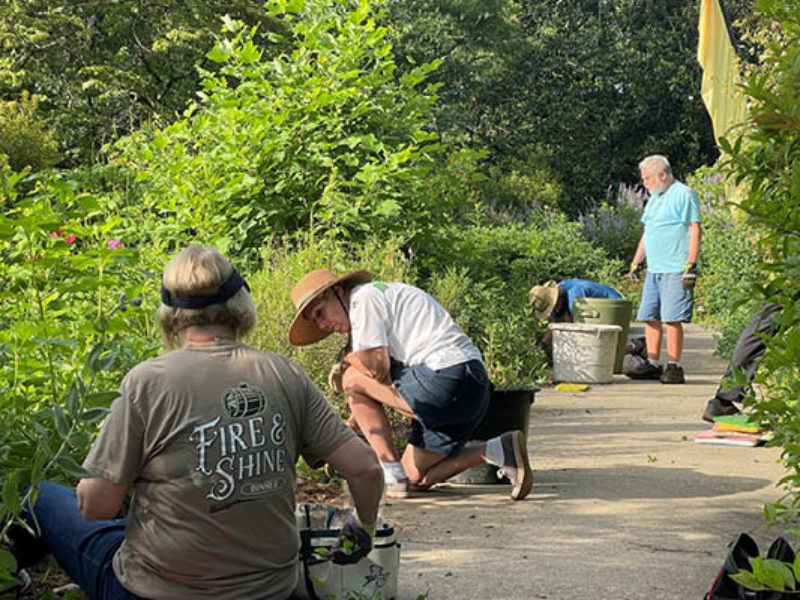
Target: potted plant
pixel 513 366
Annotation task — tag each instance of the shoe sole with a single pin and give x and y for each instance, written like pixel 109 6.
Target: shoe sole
pixel 523 488
pixel 644 377
pixel 395 494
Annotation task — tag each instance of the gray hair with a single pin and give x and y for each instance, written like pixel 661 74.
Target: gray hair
pixel 656 164
pixel 197 271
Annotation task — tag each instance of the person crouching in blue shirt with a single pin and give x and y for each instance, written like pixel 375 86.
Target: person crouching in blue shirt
pixel 556 301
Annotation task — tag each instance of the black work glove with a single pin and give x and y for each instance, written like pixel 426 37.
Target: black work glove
pixel 689 277
pixel 635 273
pixel 354 543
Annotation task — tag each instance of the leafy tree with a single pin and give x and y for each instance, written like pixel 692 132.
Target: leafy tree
pixel 592 85
pixel 325 138
pixel 24 138
pixel 102 68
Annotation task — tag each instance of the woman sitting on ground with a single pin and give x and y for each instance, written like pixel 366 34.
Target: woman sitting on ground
pixel 207 436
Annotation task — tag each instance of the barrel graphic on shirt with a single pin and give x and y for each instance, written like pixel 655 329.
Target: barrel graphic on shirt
pixel 243 401
pixel 242 451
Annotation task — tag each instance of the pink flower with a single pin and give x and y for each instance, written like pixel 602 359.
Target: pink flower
pixel 70 238
pixel 55 234
pixel 114 244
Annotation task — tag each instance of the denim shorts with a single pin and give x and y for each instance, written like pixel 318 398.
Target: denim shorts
pixel 665 300
pixel 449 403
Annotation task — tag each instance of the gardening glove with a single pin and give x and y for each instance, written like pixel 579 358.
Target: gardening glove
pixel 635 272
pixel 689 277
pixel 354 543
pixel 335 378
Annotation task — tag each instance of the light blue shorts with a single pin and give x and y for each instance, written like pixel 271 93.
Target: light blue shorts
pixel 665 300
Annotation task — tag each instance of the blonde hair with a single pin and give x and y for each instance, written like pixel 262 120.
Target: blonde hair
pixel 200 271
pixel 656 164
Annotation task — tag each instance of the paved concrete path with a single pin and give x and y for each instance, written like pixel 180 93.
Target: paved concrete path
pixel 625 505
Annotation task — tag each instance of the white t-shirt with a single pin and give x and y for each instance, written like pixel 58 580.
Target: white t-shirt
pixel 415 327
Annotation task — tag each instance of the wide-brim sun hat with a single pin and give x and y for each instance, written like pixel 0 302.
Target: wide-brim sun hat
pixel 543 299
pixel 302 331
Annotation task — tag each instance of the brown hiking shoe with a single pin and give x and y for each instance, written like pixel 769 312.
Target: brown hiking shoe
pixel 515 464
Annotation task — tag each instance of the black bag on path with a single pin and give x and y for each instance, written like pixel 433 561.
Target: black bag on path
pixel 741 550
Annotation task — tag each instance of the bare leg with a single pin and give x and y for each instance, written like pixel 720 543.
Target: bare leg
pixel 652 334
pixel 366 398
pixel 674 341
pixel 374 424
pixel 426 468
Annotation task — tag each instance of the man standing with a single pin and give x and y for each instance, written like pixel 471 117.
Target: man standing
pixel 407 353
pixel 557 301
pixel 671 244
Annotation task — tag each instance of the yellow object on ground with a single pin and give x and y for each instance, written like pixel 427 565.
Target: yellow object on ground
pixel 572 387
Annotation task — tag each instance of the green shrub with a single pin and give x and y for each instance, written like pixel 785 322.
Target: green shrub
pixel 516 256
pixel 764 159
pixel 517 187
pixel 284 265
pixel 728 263
pixel 615 224
pixel 326 138
pixel 69 328
pixel 24 138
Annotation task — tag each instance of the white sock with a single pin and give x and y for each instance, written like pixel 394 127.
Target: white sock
pixel 393 472
pixel 677 364
pixel 653 362
pixel 494 451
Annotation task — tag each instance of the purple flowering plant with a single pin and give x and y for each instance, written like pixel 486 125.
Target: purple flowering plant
pixel 614 223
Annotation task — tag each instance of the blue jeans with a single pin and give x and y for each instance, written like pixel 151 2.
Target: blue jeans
pixel 84 549
pixel 449 403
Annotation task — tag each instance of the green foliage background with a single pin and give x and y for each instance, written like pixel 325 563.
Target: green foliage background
pixel 472 148
pixel 764 159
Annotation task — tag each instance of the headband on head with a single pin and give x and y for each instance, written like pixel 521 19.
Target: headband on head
pixel 232 284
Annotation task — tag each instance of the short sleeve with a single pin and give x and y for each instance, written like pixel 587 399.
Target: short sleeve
pixel 322 430
pixel 692 207
pixel 117 452
pixel 369 319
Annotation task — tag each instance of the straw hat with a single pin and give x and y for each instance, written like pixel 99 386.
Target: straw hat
pixel 543 298
pixel 302 331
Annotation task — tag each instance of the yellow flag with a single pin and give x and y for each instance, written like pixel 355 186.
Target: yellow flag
pixel 725 102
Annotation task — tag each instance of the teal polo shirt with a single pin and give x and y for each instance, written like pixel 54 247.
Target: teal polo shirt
pixel 666 221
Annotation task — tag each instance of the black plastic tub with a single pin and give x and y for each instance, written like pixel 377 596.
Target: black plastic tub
pixel 509 409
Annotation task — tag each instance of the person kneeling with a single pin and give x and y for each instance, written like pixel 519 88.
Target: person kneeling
pixel 407 353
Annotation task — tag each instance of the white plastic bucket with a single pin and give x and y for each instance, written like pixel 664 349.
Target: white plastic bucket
pixel 584 353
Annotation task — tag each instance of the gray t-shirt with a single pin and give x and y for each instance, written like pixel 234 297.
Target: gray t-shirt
pixel 209 436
